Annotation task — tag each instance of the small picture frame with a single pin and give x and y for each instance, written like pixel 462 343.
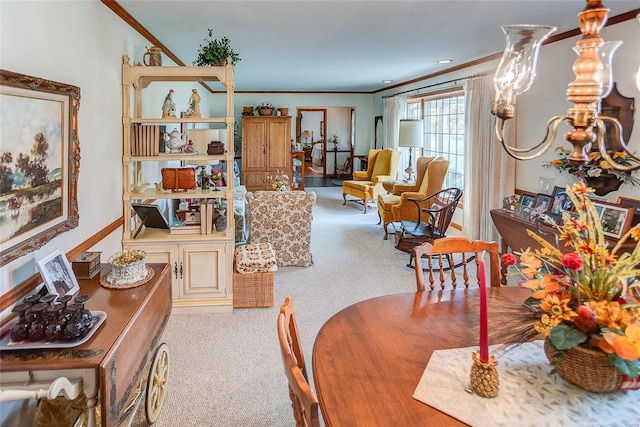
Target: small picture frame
pixel 542 204
pixel 561 200
pixel 635 204
pixel 57 274
pixel 615 219
pixel 527 200
pixel 551 218
pixel 525 212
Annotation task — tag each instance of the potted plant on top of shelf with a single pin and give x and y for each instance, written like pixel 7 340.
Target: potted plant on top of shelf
pixel 216 52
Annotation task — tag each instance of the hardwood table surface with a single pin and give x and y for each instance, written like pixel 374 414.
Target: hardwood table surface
pixel 368 358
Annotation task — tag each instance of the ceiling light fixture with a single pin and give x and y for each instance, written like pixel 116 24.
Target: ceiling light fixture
pixel 387 81
pixel 593 82
pixel 445 61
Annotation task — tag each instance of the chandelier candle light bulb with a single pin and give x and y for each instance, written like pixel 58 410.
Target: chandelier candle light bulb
pixel 592 69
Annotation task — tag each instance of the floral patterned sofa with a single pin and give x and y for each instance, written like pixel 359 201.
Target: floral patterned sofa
pixel 282 218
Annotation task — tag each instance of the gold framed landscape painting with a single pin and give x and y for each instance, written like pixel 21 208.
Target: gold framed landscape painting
pixel 39 162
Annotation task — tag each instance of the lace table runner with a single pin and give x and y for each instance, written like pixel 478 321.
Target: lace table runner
pixel 529 395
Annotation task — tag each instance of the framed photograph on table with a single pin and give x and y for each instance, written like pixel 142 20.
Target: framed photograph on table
pixel 550 218
pixel 561 200
pixel 615 220
pixel 635 204
pixel 542 204
pixel 57 274
pixel 527 200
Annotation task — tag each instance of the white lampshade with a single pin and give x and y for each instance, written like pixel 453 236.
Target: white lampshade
pixel 201 138
pixel 411 133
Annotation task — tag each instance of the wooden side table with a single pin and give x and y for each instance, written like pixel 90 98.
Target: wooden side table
pixel 125 352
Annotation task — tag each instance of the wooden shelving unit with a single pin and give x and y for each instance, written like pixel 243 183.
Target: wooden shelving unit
pixel 201 264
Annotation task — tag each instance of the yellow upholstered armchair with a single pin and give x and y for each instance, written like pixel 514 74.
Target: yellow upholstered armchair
pixel 366 185
pixel 395 207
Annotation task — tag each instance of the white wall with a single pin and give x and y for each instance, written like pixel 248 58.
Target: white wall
pixel 79 43
pixel 547 98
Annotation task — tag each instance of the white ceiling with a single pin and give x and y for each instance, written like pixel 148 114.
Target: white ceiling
pixel 348 46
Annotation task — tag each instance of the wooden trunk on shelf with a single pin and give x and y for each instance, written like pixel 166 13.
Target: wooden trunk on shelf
pixel 266 147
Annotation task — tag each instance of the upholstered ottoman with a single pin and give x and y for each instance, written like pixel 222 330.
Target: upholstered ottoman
pixel 253 275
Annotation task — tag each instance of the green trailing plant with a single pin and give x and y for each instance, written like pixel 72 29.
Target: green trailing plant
pixel 216 51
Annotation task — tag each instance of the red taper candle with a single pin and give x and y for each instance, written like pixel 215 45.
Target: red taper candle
pixel 484 326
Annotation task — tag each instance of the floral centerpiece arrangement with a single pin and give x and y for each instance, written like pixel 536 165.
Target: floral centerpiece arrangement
pixel 597 166
pixel 280 182
pixel 588 297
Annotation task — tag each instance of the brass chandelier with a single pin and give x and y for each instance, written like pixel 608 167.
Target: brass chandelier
pixel 593 82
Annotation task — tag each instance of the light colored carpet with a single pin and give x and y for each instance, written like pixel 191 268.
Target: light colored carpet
pixel 226 369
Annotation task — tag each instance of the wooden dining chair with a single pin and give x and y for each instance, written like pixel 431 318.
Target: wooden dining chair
pixel 448 259
pixel 303 400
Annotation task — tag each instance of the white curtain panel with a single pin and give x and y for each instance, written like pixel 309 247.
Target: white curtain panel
pixel 491 171
pixel 395 108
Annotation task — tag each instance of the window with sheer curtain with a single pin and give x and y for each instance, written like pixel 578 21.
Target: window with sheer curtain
pixel 444 129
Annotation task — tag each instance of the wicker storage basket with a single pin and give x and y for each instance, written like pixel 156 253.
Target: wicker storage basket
pixel 588 369
pixel 252 290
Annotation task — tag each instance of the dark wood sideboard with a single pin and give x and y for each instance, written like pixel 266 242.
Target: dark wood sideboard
pixel 116 359
pixel 514 236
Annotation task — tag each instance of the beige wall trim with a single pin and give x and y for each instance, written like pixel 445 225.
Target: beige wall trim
pixel 24 288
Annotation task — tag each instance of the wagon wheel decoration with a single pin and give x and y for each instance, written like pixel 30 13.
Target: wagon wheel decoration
pixel 157 383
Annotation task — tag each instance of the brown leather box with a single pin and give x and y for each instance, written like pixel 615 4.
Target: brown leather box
pixel 178 179
pixel 215 147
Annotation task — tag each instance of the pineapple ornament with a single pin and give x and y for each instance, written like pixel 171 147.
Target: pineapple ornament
pixel 484 376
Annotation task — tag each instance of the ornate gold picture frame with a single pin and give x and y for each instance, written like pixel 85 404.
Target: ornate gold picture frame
pixel 39 162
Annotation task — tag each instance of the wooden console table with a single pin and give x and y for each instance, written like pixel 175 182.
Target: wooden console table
pixel 122 354
pixel 514 236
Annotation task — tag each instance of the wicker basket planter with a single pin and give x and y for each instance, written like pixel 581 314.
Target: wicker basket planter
pixel 265 111
pixel 588 369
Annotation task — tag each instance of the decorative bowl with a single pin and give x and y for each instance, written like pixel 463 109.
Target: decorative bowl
pixel 127 267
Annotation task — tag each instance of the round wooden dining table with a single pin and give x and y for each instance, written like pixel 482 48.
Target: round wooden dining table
pixel 369 357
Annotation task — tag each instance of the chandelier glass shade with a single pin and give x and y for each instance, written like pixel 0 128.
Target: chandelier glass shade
pixel 593 82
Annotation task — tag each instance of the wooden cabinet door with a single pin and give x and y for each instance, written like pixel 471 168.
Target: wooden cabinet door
pixel 256 179
pixel 164 254
pixel 203 275
pixel 278 144
pixel 254 144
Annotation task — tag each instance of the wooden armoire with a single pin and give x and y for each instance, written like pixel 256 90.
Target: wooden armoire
pixel 266 147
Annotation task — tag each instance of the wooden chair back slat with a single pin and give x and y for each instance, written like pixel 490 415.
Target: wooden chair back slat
pixel 446 252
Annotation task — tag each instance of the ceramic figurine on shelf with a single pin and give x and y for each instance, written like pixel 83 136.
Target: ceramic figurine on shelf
pixel 168 106
pixel 189 148
pixel 194 104
pixel 175 141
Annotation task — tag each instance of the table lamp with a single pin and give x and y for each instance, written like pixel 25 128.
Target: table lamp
pixel 306 135
pixel 411 135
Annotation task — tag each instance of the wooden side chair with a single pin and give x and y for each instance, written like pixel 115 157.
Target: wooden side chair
pixel 303 400
pixel 445 256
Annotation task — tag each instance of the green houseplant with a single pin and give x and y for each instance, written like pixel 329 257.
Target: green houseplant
pixel 216 51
